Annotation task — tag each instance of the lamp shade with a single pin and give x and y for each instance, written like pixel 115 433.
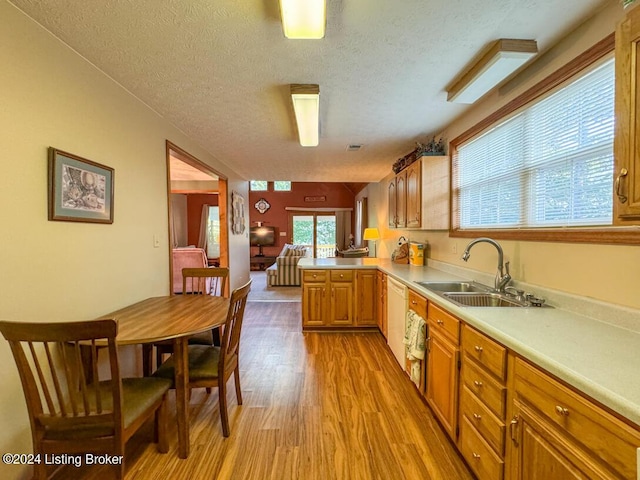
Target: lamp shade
pixel 371 234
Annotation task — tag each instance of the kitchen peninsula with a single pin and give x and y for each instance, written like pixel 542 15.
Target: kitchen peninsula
pixel 579 359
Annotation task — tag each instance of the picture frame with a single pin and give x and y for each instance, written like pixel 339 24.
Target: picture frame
pixel 237 211
pixel 79 190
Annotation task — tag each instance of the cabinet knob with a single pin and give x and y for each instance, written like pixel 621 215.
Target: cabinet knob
pixel 476 455
pixel 341 275
pixel 315 275
pixel 477 383
pixel 562 411
pixel 478 348
pixel 413 302
pixel 477 417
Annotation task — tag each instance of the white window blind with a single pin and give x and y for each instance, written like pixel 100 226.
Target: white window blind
pixel 550 165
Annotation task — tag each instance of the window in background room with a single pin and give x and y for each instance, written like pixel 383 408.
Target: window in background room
pixel 316 231
pixel 258 185
pixel 213 233
pixel 282 186
pixel 549 165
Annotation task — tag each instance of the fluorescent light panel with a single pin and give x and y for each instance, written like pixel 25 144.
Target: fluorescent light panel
pixel 503 58
pixel 306 106
pixel 303 19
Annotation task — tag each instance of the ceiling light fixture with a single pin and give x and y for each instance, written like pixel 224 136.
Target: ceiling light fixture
pixel 500 60
pixel 303 19
pixel 306 106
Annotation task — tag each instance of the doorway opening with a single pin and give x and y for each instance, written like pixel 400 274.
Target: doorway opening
pixel 197 200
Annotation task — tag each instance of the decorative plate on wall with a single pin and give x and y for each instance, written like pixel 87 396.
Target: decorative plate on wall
pixel 262 205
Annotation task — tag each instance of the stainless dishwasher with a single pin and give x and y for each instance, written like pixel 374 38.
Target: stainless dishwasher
pixel 396 318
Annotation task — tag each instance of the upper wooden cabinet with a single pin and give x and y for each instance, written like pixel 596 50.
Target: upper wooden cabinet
pixel 627 136
pixel 419 195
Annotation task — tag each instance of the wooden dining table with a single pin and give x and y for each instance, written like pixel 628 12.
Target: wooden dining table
pixel 174 318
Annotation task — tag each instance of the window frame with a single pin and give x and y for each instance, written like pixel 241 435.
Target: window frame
pixel 604 234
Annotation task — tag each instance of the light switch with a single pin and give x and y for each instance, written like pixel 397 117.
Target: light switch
pixel 283 234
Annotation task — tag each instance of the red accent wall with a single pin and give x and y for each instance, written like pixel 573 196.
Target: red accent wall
pixel 194 212
pixel 337 196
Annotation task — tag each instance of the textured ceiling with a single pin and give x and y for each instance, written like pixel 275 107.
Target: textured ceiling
pixel 219 70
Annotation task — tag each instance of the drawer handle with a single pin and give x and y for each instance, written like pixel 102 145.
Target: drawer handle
pixel 413 302
pixel 477 383
pixel 477 417
pixel 440 322
pixel 341 275
pixel 478 348
pixel 315 276
pixel 562 411
pixel 476 455
pixel 512 427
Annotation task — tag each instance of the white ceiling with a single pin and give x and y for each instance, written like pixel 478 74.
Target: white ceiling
pixel 219 70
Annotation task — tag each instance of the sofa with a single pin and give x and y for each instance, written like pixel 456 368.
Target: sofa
pixel 285 271
pixel 186 257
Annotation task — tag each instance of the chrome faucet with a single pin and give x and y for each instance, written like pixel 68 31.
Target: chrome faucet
pixel 502 279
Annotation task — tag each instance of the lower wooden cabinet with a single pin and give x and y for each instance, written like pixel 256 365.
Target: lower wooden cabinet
pixel 336 298
pixel 443 367
pixel 556 433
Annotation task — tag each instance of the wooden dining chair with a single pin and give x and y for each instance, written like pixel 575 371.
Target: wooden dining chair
pixel 212 366
pixel 197 281
pixel 70 415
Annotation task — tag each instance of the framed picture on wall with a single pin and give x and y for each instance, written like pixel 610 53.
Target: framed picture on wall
pixel 79 190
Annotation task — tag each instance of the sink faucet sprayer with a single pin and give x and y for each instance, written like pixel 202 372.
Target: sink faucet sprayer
pixel 502 279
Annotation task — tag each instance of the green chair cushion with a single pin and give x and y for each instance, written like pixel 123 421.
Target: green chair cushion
pixel 138 394
pixel 203 364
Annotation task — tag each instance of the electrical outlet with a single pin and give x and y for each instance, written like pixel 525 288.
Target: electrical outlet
pixel 454 248
pixel 156 241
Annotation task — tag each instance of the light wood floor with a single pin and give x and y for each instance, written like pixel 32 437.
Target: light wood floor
pixel 316 406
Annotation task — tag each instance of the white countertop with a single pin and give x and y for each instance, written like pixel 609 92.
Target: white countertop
pixel 600 359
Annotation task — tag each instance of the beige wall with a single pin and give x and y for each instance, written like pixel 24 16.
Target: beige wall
pixel 604 272
pixel 49 96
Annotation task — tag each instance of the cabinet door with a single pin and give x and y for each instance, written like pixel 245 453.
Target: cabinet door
pixel 414 197
pixel 314 302
pixel 401 200
pixel 341 311
pixel 366 305
pixel 382 303
pixel 627 135
pixel 435 193
pixel 391 193
pixel 442 380
pixel 539 452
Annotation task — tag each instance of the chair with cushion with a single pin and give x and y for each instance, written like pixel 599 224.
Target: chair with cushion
pixel 197 281
pixel 285 271
pixel 211 366
pixel 69 414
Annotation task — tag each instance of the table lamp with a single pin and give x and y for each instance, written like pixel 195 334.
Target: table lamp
pixel 371 234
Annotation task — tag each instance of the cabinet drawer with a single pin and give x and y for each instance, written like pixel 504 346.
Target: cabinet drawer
pixel 418 304
pixel 341 275
pixel 484 387
pixel 319 276
pixel 478 454
pixel 445 322
pixel 485 351
pixel 602 434
pixel 486 423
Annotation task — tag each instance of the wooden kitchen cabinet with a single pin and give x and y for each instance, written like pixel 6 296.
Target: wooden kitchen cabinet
pixel 627 130
pixel 381 314
pixel 366 297
pixel 482 404
pixel 442 367
pixel 413 195
pixel 342 298
pixel 556 433
pixel 419 195
pixel 314 298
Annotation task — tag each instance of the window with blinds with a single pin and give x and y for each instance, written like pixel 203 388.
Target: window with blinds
pixel 550 165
